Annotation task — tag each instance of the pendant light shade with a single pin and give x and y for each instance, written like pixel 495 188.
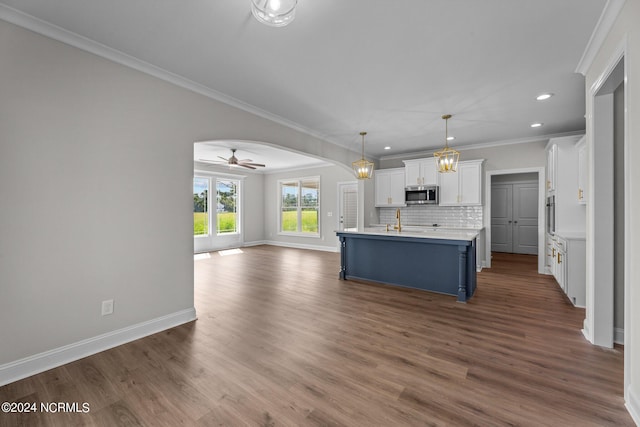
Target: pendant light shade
pixel 447 158
pixel 275 13
pixel 363 168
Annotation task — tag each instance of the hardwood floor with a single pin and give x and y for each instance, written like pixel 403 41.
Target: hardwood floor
pixel 280 341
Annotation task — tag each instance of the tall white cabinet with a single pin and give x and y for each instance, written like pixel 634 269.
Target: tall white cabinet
pixel 566 247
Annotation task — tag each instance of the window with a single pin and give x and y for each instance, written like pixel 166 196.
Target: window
pixel 300 206
pixel 227 206
pixel 200 206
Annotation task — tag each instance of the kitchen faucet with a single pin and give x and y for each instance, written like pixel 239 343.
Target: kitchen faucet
pixel 398 226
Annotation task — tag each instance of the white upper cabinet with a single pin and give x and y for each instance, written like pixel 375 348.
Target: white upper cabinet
pixel 389 185
pixel 464 187
pixel 582 171
pixel 420 172
pixel 563 179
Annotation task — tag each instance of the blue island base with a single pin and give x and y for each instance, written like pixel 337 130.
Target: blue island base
pixel 436 265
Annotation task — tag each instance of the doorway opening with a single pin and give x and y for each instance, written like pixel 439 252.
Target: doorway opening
pixel 532 233
pixel 348 206
pixel 514 213
pixel 608 249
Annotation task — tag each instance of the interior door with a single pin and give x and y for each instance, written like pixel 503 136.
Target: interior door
pixel 514 218
pixel 525 218
pixel 501 218
pixel 348 207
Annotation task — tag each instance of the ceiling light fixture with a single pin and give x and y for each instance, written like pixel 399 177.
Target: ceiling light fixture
pixel 363 168
pixel 536 125
pixel 387 148
pixel 275 13
pixel 447 158
pixel 544 96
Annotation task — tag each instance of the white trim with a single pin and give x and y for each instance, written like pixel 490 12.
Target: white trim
pixel 541 216
pixel 301 246
pixel 31 365
pixel 618 335
pixel 600 32
pixel 254 243
pixel 54 32
pixel 429 153
pixel 291 245
pixel 632 403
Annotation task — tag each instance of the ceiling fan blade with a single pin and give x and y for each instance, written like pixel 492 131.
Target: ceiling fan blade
pixel 226 160
pixel 245 165
pixel 260 165
pixel 211 161
pixel 245 161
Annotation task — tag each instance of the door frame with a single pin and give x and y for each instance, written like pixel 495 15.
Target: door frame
pixel 541 218
pixel 340 185
pixel 594 305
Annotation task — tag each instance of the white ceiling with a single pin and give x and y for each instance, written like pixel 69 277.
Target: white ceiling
pixel 273 158
pixel 390 68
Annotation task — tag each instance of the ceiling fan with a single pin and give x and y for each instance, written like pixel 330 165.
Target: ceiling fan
pixel 233 161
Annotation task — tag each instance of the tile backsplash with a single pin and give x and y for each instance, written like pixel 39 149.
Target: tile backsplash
pixel 444 216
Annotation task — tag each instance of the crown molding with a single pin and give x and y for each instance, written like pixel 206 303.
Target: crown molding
pixel 600 32
pixel 427 153
pixel 62 35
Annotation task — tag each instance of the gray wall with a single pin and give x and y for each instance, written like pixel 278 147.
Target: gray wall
pixel 329 178
pixel 96 167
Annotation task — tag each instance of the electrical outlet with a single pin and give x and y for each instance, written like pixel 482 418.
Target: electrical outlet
pixel 107 307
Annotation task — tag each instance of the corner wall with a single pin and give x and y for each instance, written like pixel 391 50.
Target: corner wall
pixel 96 166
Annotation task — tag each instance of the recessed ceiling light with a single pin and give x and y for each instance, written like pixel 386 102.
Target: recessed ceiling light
pixel 544 96
pixel 387 148
pixel 451 138
pixel 536 125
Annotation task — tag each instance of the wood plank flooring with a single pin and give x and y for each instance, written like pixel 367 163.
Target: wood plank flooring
pixel 280 341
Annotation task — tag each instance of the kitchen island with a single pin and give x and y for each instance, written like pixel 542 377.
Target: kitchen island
pixel 428 259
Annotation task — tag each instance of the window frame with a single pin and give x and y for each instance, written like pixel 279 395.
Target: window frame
pixel 299 207
pixel 238 183
pixel 208 207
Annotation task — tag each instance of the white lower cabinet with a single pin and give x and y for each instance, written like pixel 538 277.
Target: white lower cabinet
pixel 566 261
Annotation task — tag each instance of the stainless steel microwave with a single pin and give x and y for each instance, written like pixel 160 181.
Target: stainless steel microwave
pixel 421 195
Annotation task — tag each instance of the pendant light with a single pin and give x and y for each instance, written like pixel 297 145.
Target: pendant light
pixel 447 158
pixel 363 168
pixel 275 13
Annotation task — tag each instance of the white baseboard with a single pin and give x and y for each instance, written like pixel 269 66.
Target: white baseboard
pixel 618 335
pixel 31 365
pixel 302 246
pixel 633 405
pixel 586 332
pixel 255 243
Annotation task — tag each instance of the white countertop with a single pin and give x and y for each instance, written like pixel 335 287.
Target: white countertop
pixel 577 235
pixel 420 232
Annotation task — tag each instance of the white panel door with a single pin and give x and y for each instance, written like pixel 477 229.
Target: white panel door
pixel 348 206
pixel 501 218
pixel 525 219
